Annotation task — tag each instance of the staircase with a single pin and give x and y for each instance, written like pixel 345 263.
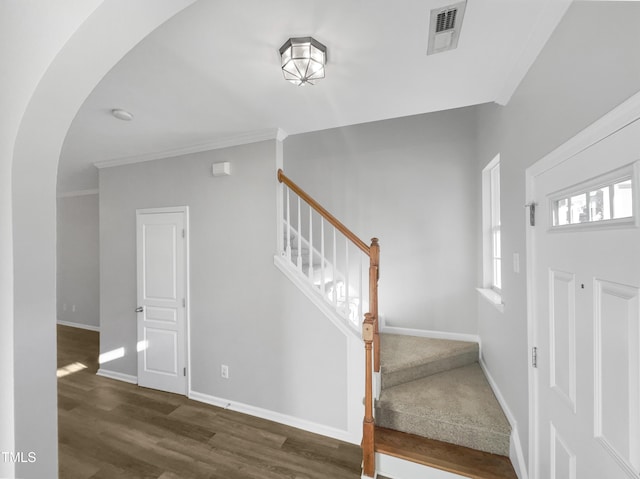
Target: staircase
pixel 435 389
pixel 435 407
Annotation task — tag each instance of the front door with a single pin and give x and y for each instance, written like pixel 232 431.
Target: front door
pixel 586 280
pixel 162 273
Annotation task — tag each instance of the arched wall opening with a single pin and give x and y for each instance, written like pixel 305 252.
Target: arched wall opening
pixel 106 36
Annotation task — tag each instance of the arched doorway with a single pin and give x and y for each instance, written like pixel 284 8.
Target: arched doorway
pixel 91 51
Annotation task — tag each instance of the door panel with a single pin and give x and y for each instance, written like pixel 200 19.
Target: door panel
pixel 562 322
pixel 617 370
pixel 162 299
pixel 161 357
pixel 563 461
pixel 159 259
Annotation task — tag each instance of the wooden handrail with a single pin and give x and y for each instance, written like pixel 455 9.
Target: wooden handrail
pixel 282 178
pixel 370 331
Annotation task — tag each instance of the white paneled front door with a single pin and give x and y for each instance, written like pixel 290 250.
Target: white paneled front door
pixel 162 295
pixel 586 316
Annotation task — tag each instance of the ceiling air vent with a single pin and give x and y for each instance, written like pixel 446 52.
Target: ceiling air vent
pixel 446 20
pixel 444 27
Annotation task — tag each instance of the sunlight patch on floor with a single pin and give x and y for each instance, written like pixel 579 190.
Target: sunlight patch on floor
pixel 70 369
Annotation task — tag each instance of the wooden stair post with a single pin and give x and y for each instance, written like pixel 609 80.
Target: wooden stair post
pixel 371 337
pixel 374 275
pixel 368 425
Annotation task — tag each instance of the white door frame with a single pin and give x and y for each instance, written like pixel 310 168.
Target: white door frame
pixel 187 289
pixel 617 119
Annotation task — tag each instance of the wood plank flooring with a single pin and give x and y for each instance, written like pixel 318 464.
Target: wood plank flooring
pixel 109 429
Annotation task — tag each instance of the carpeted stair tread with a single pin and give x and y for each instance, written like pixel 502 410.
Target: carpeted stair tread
pixel 455 406
pixel 407 358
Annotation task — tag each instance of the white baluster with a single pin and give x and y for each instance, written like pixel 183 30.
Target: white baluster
pixel 310 244
pixel 335 273
pixel 322 260
pixel 360 255
pixel 346 278
pixel 288 247
pixel 299 225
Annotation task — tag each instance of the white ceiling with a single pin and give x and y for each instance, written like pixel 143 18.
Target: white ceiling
pixel 212 73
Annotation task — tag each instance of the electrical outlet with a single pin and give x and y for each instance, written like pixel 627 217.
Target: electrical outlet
pixel 224 371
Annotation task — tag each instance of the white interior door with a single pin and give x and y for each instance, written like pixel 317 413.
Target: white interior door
pixel 586 280
pixel 162 294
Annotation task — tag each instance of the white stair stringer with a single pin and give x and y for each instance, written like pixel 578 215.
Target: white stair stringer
pixel 316 297
pixel 309 264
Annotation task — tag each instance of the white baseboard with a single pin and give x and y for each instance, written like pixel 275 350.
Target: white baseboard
pixel 425 333
pixel 79 325
pixel 515 446
pixel 335 433
pixel 395 468
pixel 127 378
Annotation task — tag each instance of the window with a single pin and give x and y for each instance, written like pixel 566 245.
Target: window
pixel 492 238
pixel 494 211
pixel 604 201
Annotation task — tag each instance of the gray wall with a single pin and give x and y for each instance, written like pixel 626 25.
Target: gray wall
pixel 283 354
pixel 411 182
pixel 588 67
pixel 78 275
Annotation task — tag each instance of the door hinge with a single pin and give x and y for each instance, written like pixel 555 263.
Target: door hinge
pixel 534 357
pixel 183 232
pixel 184 303
pixel 532 212
pixel 184 371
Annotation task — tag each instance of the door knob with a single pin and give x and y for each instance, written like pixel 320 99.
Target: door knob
pixel 139 309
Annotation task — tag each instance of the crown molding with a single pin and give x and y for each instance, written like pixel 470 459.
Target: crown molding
pixel 549 18
pixel 70 194
pixel 220 142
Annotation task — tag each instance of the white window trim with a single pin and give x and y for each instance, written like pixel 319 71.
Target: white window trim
pixel 488 291
pixel 494 298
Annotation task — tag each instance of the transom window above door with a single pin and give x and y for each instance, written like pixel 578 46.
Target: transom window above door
pixel 609 200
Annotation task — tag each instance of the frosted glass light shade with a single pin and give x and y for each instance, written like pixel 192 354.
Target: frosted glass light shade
pixel 303 60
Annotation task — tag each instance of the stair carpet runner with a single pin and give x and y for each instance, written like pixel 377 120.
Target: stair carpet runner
pixel 435 388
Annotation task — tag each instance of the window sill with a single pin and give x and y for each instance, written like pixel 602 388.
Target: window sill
pixel 494 298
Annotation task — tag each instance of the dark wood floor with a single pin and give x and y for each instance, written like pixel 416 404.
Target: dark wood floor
pixel 109 429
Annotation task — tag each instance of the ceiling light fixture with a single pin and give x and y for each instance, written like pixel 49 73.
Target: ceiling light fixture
pixel 303 60
pixel 121 114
